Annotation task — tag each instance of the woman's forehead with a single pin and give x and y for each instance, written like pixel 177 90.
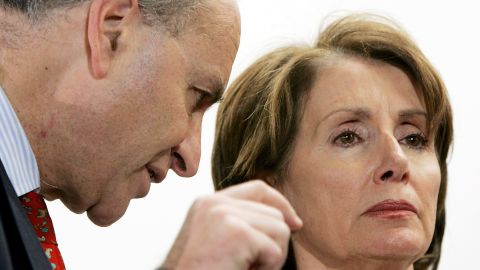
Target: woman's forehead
pixel 356 83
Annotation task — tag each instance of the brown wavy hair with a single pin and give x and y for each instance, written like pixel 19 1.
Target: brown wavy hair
pixel 259 116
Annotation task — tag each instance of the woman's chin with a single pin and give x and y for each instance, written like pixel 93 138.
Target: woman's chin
pixel 401 244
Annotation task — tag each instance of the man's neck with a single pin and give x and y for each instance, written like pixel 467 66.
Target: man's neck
pixel 29 66
pixel 28 73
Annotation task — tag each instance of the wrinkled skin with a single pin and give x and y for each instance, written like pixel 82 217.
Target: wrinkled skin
pixel 363 139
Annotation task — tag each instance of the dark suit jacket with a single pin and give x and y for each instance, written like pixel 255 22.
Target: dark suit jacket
pixel 19 246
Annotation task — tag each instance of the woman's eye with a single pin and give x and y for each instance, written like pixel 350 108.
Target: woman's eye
pixel 415 141
pixel 347 139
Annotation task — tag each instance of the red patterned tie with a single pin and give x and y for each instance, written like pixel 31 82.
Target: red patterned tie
pixel 42 224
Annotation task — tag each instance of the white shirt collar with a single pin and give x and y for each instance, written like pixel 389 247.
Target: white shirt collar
pixel 15 151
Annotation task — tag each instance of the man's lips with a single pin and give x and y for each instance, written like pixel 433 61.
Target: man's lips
pixel 152 174
pixel 156 174
pixel 391 208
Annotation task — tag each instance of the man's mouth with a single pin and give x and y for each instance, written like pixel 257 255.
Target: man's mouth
pixel 152 175
pixel 156 175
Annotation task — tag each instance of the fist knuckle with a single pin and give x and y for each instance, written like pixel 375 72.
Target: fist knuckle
pixel 205 203
pixel 275 254
pixel 260 186
pixel 235 228
pixel 277 213
pixel 284 230
pixel 219 213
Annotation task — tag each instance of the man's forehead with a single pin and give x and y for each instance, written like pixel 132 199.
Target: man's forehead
pixel 211 42
pixel 217 20
pixel 211 59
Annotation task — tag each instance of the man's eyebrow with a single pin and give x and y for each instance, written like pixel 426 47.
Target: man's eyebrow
pixel 213 83
pixel 217 88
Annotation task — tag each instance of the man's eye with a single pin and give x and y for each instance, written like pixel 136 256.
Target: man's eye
pixel 415 141
pixel 347 139
pixel 201 98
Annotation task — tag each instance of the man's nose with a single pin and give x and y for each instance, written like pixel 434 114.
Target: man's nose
pixel 186 155
pixel 394 162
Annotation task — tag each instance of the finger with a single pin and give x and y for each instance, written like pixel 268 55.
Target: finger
pixel 264 252
pixel 257 190
pixel 253 206
pixel 267 220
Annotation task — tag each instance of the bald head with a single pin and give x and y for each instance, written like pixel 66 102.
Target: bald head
pixel 114 95
pixel 172 14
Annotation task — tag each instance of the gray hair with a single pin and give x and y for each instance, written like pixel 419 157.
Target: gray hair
pixel 174 15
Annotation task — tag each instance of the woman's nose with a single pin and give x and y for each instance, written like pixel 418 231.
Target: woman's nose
pixel 393 161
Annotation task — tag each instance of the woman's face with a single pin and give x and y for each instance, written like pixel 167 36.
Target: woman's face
pixel 363 174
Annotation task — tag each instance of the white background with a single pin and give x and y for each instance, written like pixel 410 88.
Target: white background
pixel 447 31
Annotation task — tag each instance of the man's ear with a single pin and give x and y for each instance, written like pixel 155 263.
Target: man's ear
pixel 107 19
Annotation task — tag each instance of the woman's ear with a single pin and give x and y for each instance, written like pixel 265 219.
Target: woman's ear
pixel 268 177
pixel 107 20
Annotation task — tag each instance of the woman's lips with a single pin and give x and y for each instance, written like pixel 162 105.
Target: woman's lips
pixel 391 209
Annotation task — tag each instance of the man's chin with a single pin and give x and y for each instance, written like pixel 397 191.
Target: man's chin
pixel 104 217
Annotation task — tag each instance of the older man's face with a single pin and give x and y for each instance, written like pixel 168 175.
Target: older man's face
pixel 143 119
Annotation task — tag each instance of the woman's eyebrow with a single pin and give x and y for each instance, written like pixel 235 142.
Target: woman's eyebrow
pixel 406 114
pixel 365 113
pixel 360 112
